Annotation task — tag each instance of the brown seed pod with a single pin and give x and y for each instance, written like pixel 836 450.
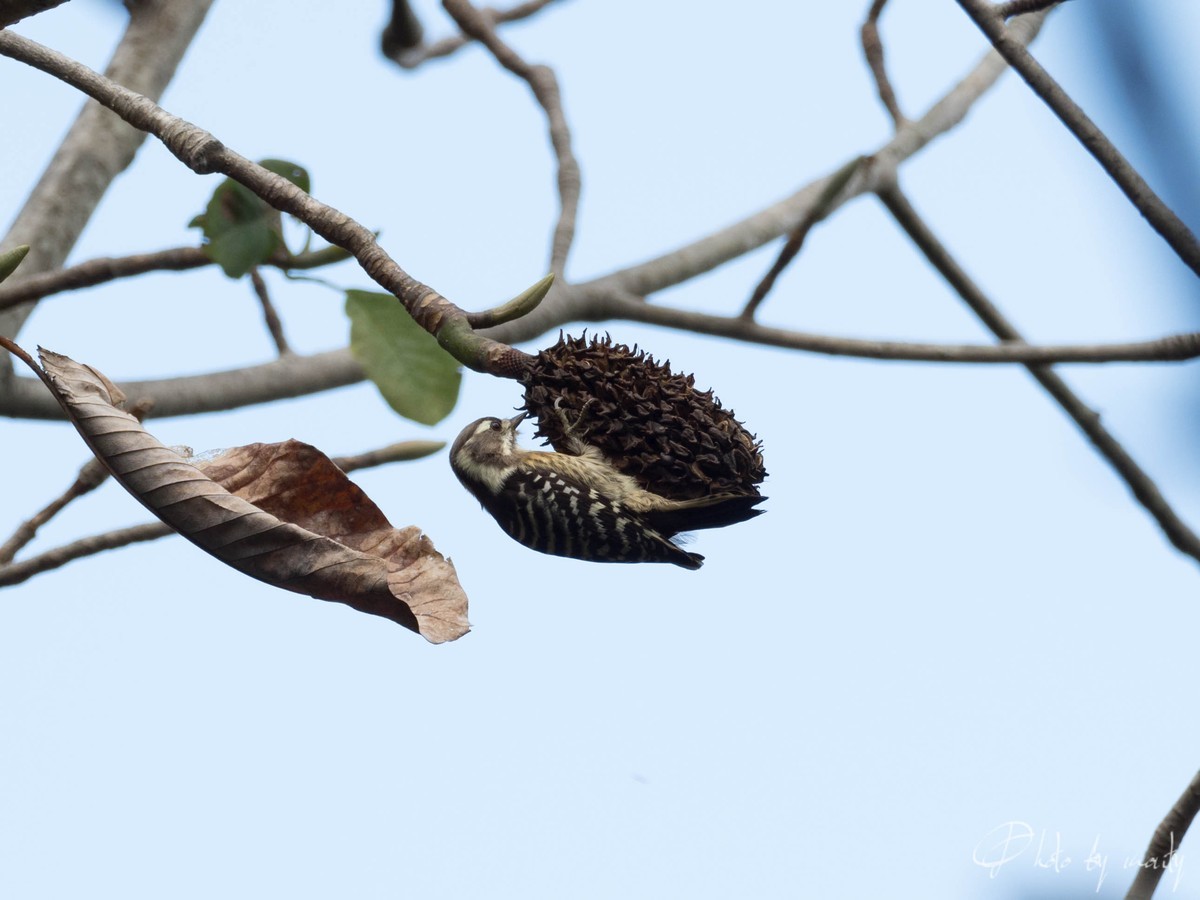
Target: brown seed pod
pixel 651 423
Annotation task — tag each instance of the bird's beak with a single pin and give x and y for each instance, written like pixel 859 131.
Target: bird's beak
pixel 517 420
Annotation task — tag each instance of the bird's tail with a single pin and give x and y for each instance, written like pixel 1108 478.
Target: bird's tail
pixel 706 512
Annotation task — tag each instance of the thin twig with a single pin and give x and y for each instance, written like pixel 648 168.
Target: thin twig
pixel 90 477
pixel 410 59
pixel 98 271
pixel 1160 216
pixel 544 84
pixel 1088 420
pixel 873 50
pixel 1165 842
pixel 104 269
pixel 15 573
pixel 403 451
pixel 270 316
pixel 820 209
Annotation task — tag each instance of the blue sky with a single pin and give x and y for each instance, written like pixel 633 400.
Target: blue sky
pixel 953 617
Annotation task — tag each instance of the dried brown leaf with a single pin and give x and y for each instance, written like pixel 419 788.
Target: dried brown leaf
pixel 281 513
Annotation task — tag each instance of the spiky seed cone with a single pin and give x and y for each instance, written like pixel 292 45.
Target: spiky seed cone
pixel 650 422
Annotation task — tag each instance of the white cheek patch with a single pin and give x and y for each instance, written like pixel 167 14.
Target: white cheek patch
pixel 490 476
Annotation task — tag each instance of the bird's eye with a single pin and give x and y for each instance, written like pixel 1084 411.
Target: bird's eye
pixel 496 425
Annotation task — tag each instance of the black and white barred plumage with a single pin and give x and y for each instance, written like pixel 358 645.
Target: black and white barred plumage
pixel 577 504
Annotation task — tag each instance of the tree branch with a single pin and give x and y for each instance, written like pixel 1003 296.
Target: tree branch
pixel 834 186
pixel 1160 216
pixel 270 315
pixel 90 477
pixel 1139 483
pixel 544 84
pixel 15 573
pixel 404 451
pixel 410 59
pixel 1169 349
pixel 873 51
pixel 1165 842
pixel 287 376
pixel 108 268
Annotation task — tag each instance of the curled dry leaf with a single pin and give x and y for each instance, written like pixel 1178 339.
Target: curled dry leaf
pixel 281 513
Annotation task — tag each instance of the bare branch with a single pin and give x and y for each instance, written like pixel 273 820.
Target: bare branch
pixel 873 50
pixel 1165 842
pixel 1168 349
pixel 108 268
pixel 544 84
pixel 270 316
pixel 410 59
pixel 836 184
pixel 287 376
pixel 1088 420
pixel 400 452
pixel 15 573
pixel 90 477
pixel 1161 218
pixel 98 271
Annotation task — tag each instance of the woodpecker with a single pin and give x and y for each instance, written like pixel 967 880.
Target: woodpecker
pixel 577 504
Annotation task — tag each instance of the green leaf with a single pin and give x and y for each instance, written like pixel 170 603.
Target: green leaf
pixel 297 175
pixel 243 230
pixel 417 378
pixel 240 229
pixel 10 260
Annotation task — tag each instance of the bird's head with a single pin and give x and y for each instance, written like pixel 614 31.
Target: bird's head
pixel 486 452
